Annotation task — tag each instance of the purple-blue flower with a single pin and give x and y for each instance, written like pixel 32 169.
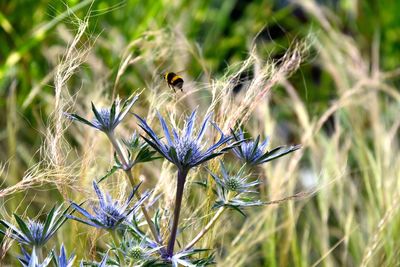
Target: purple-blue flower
pixel 62 260
pixel 108 213
pixel 186 150
pixel 253 152
pixel 107 119
pixel 35 233
pixel 183 147
pixel 32 260
pixel 24 258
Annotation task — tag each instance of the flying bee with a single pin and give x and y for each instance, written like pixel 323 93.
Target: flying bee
pixel 173 80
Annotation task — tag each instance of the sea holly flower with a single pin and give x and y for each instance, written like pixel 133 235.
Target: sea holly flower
pixel 254 153
pixel 62 260
pixel 107 119
pixel 183 148
pixel 108 213
pixel 186 150
pixel 35 233
pixel 32 260
pixel 233 190
pixel 238 183
pixel 138 251
pixel 25 257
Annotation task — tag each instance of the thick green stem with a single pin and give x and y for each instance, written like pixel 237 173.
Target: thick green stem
pixel 178 203
pixel 125 162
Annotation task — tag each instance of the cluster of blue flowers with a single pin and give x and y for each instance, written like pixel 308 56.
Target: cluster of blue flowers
pixel 186 149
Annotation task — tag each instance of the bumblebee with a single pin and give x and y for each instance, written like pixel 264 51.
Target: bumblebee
pixel 173 80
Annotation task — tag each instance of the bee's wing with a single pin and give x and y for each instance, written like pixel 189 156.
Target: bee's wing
pixel 179 72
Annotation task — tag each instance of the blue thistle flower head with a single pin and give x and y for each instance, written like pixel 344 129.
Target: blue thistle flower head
pixel 235 191
pixel 138 250
pixel 238 182
pixel 184 148
pixel 24 258
pixel 32 260
pixel 107 213
pixel 36 230
pixel 35 233
pixel 254 153
pixel 62 260
pixel 107 119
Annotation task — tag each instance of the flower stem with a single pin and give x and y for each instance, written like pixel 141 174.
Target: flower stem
pixel 206 228
pixel 39 253
pixel 178 203
pixel 122 157
pixel 117 243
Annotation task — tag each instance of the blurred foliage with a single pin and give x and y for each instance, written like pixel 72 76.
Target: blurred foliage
pixel 223 30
